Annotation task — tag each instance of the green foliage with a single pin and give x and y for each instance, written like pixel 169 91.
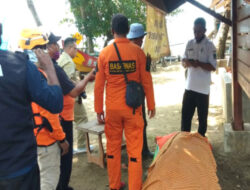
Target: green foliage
pixel 93 17
pixel 175 12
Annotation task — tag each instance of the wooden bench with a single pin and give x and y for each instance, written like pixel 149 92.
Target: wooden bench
pixel 93 127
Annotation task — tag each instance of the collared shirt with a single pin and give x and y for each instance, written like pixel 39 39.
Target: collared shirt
pixel 198 79
pixel 42 93
pixel 66 62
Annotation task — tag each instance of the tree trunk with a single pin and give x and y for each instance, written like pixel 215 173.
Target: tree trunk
pixel 33 12
pixel 213 34
pixel 153 66
pixel 109 37
pixel 222 38
pixel 90 45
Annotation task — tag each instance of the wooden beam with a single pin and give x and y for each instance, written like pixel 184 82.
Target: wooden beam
pixel 211 12
pixel 237 92
pixel 244 70
pixel 244 83
pixel 157 4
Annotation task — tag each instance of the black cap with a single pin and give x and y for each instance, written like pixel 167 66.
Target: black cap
pixel 53 39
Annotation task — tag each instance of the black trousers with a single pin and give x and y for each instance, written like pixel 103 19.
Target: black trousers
pixel 29 181
pixel 66 160
pixel 192 100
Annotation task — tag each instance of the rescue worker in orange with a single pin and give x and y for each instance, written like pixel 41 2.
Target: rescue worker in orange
pixel 119 116
pixel 49 134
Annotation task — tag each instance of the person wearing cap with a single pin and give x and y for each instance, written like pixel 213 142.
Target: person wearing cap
pixel 53 46
pixel 199 59
pixel 136 35
pixel 50 138
pixel 119 116
pixel 21 83
pixel 70 92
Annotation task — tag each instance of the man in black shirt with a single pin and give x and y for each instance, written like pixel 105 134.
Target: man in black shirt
pixel 70 90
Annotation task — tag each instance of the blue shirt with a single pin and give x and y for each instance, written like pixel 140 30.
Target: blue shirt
pixel 42 93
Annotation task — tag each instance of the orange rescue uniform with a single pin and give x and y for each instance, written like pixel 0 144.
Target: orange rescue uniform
pixel 67 113
pixel 44 137
pixel 119 116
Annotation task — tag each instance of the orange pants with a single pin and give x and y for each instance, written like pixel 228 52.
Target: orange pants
pixel 116 121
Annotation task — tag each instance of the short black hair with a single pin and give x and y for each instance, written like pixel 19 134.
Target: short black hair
pixel 69 42
pixel 200 21
pixel 119 24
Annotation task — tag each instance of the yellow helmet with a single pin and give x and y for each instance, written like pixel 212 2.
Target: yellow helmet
pixel 31 38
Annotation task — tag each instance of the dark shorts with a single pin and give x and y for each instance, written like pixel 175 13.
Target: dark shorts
pixel 29 181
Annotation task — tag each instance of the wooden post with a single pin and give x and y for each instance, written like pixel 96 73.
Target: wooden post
pixel 236 88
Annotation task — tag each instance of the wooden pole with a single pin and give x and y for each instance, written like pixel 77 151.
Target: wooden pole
pixel 34 12
pixel 211 12
pixel 236 88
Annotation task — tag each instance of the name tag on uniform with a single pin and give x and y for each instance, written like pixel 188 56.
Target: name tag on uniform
pixel 1 71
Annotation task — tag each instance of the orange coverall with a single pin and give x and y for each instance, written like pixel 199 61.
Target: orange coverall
pixel 119 116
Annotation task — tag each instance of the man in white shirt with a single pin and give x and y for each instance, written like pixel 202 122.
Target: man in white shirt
pixel 80 115
pixel 200 60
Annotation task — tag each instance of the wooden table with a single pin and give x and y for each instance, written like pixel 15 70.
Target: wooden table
pixel 93 127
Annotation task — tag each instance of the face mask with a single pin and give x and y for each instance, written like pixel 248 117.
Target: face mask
pixel 32 56
pixel 56 55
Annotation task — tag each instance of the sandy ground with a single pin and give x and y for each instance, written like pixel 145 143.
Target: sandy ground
pixel 233 170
